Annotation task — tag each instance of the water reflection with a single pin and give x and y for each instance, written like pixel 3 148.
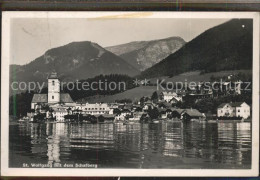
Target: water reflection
pixel 162 145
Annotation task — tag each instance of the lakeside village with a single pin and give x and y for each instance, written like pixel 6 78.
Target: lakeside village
pixel 59 107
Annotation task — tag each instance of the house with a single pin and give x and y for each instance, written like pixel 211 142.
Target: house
pixel 148 105
pixel 175 100
pixel 79 106
pixel 109 116
pixel 236 109
pixel 128 106
pixel 119 117
pixel 54 95
pixel 169 112
pixel 125 112
pixel 190 114
pixel 200 91
pixel 94 109
pixel 167 96
pixel 137 108
pixel 176 113
pixel 228 87
pixel 225 110
pixel 59 113
pixel 112 106
pixel 162 113
pixel 181 92
pixel 39 100
pixel 136 116
pixel 164 105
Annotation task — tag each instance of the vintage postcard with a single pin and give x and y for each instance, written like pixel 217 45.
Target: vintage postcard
pixel 130 94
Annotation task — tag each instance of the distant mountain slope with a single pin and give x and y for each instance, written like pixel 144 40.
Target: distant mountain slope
pixel 134 94
pixel 144 54
pixel 77 60
pixel 126 48
pixel 225 47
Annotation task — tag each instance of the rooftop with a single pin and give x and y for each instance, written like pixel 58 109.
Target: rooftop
pixel 53 75
pixel 65 98
pixel 193 112
pixel 43 98
pixel 233 104
pixel 40 98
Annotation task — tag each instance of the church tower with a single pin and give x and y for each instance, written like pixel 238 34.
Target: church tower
pixel 53 88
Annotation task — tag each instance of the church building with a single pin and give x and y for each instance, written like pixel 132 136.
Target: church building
pixel 54 95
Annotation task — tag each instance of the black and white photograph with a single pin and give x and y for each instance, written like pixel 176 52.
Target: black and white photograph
pixel 130 93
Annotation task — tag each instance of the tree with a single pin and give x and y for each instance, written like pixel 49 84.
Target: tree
pixel 124 101
pixel 154 97
pixel 20 104
pixel 142 101
pixel 101 118
pixel 138 109
pixel 212 78
pixel 116 111
pixel 153 113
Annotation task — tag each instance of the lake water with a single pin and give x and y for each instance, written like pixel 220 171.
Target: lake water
pixel 171 145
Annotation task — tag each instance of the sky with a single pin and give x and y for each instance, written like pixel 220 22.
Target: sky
pixel 32 37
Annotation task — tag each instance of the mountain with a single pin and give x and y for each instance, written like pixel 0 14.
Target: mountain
pixel 224 47
pixel 144 54
pixel 77 60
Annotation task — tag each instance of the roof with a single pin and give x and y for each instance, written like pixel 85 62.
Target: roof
pixel 161 110
pixel 40 98
pixel 60 109
pixel 178 110
pixel 53 75
pixel 234 104
pixel 105 115
pixel 226 83
pixel 65 98
pixel 181 93
pixel 166 104
pixel 176 98
pixel 222 105
pixel 169 93
pixel 96 105
pixel 193 112
pixel 43 98
pixel 128 106
pixel 138 113
pixel 148 102
pixel 109 115
pixel 125 110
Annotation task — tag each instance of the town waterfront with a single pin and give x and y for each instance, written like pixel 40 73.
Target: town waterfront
pixel 167 144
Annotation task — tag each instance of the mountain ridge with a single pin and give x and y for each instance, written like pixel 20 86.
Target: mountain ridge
pixel 73 61
pixel 144 54
pixel 224 47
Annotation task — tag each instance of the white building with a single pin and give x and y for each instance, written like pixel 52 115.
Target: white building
pixel 169 96
pixel 237 109
pixel 112 106
pixel 53 88
pixel 59 113
pixel 94 109
pixel 54 95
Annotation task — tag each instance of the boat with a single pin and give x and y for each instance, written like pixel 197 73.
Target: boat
pixel 25 118
pixel 212 121
pixel 21 120
pixel 156 121
pixel 134 119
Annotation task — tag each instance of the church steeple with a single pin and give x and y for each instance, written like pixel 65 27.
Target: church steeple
pixel 53 88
